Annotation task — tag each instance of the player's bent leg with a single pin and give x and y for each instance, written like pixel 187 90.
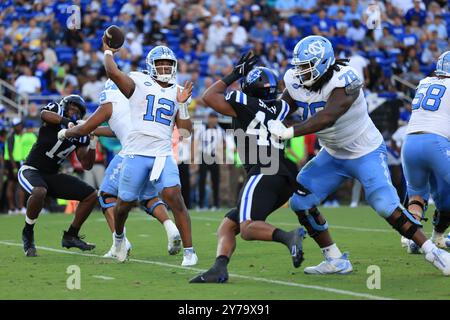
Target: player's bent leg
pixel 317 227
pixel 158 209
pixel 402 221
pixel 32 181
pixel 70 238
pixel 226 244
pixel 35 204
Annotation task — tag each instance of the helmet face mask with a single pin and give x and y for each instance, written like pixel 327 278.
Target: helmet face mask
pixel 158 69
pixel 306 71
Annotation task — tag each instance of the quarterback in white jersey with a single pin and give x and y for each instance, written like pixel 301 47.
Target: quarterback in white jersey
pixel 156 105
pixel 426 151
pixel 114 108
pixel 329 97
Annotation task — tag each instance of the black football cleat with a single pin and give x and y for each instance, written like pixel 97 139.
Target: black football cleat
pixel 28 243
pixel 211 276
pixel 296 247
pixel 68 241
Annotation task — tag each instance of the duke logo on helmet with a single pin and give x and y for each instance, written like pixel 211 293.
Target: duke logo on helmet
pixel 312 57
pixel 161 53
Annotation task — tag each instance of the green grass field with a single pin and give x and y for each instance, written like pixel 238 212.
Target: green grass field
pixel 258 270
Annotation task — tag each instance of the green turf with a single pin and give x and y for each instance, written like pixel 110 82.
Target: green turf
pixel 368 238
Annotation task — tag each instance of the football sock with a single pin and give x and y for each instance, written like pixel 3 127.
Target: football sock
pixel 281 236
pixel 221 261
pixel 332 252
pixel 29 224
pixel 171 228
pixel 73 231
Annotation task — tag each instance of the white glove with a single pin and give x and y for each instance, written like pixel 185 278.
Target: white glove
pixel 93 142
pixel 279 130
pixel 80 122
pixel 62 134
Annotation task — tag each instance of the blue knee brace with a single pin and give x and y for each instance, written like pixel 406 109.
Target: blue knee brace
pixel 150 210
pixel 102 197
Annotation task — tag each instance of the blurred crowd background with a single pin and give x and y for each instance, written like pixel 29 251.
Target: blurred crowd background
pixel 392 44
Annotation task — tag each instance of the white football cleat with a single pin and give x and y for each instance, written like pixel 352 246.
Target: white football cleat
pixel 174 245
pixel 440 259
pixel 189 258
pixel 120 251
pixel 110 254
pixel 442 242
pixel 340 265
pixel 404 241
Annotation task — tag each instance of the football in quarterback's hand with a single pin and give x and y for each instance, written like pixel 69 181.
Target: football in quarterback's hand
pixel 114 37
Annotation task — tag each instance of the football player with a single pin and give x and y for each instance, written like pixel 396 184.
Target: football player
pixel 39 174
pixel 156 104
pixel 115 110
pixel 263 193
pixel 329 96
pixel 426 151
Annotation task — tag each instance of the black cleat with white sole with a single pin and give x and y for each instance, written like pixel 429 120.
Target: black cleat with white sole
pixel 296 247
pixel 28 243
pixel 69 241
pixel 213 275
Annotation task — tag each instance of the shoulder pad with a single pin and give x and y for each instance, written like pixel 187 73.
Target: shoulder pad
pixel 353 87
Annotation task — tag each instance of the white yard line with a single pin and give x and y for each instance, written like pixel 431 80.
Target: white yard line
pixel 104 277
pixel 257 279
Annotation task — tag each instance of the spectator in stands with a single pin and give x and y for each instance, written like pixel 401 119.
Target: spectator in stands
pixel 430 54
pixel 27 83
pixel 219 61
pixel 285 8
pixel 239 34
pixel 49 55
pixel 84 54
pixel 438 25
pixel 189 35
pixel 416 11
pixel 356 32
pixel 414 75
pixel 155 37
pixel 259 31
pixel 324 26
pixel 133 45
pixel 216 34
pixel 247 20
pixel 92 88
pixel 187 53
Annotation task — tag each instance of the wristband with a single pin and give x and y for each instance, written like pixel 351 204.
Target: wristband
pixel 184 111
pixel 93 143
pixel 108 52
pixel 229 79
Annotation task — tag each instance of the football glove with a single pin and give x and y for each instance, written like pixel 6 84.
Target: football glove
pixel 244 65
pixel 279 130
pixel 62 134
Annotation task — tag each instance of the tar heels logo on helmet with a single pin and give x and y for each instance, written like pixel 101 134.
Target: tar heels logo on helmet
pixel 316 48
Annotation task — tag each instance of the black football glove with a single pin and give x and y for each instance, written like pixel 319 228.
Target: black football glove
pixel 244 65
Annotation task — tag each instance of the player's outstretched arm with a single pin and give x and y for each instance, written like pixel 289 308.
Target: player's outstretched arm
pixel 102 114
pixel 104 131
pixel 214 96
pixel 51 117
pixel 338 103
pixel 125 84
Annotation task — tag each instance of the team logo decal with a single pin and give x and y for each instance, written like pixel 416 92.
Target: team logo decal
pixel 252 76
pixel 316 48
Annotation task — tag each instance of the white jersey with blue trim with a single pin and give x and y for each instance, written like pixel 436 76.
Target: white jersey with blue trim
pixel 120 121
pixel 353 134
pixel 152 111
pixel 431 107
